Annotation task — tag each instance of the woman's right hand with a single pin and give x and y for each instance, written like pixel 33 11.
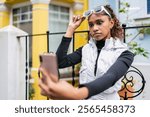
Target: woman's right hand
pixel 76 22
pixel 73 25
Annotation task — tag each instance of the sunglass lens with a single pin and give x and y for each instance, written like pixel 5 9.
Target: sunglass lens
pixel 87 13
pixel 97 9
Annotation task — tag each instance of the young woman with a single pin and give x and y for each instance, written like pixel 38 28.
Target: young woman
pixel 104 60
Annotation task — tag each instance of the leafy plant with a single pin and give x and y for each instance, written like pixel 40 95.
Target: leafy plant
pixel 125 6
pixel 137 50
pixel 145 31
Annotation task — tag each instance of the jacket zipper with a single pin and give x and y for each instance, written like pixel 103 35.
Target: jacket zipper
pixel 95 70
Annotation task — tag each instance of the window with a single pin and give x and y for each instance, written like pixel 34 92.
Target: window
pixel 22 15
pixel 148 6
pixel 58 22
pixel 59 15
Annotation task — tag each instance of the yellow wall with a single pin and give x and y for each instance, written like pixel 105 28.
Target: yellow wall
pixel 39 43
pixel 4 18
pixel 2 1
pixel 4 15
pixel 12 2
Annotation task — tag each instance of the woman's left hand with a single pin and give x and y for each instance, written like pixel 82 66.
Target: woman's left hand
pixel 61 89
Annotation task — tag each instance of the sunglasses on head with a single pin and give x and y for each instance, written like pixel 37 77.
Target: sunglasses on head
pixel 98 9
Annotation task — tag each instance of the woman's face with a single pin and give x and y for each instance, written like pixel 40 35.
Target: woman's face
pixel 100 26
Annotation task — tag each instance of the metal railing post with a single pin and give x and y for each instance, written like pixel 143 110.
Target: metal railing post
pixel 26 64
pixel 124 32
pixel 47 33
pixel 73 72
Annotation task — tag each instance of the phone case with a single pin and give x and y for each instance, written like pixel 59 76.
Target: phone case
pixel 48 61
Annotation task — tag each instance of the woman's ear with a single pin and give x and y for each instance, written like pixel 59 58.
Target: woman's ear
pixel 111 23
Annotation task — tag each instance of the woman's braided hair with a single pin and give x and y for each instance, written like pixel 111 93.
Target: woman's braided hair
pixel 117 30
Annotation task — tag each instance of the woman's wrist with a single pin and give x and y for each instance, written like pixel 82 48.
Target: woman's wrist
pixel 69 32
pixel 81 93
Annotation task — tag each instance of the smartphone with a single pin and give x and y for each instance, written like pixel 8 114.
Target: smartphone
pixel 48 61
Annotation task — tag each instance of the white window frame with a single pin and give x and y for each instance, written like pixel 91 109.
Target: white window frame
pixel 63 5
pixel 59 20
pixel 20 5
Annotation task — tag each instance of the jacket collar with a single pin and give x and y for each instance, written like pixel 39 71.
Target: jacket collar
pixel 110 43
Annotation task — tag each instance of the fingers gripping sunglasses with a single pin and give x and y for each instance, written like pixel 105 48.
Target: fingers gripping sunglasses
pixel 98 9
